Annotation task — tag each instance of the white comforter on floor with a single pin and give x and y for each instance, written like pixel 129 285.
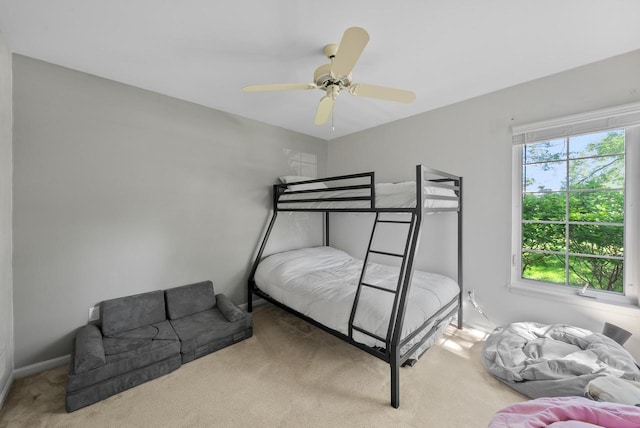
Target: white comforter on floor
pixel 321 283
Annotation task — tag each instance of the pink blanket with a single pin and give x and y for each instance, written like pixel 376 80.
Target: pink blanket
pixel 566 412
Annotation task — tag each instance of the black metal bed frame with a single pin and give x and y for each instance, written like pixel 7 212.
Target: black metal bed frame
pixel 393 342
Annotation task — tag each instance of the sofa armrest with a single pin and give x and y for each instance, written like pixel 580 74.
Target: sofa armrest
pixel 89 351
pixel 230 310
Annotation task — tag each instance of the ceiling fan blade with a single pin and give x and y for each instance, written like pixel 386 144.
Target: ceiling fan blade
pixel 324 110
pixel 382 93
pixel 278 87
pixel 351 46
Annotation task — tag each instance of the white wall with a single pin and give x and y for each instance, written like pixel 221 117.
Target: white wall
pixel 118 191
pixel 6 286
pixel 473 139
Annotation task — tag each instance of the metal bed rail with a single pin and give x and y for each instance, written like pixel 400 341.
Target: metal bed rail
pixel 425 177
pixel 280 190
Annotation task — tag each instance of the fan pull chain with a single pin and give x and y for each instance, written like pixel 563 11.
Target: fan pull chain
pixel 333 128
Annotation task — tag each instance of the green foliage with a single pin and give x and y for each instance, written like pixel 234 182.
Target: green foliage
pixel 543 267
pixel 594 168
pixel 544 206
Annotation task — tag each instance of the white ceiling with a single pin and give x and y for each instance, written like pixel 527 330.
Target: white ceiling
pixel 205 51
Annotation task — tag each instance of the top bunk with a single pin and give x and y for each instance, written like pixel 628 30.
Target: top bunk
pixel 433 190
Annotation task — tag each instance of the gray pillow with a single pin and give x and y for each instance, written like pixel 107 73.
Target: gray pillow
pixel 127 313
pixel 190 299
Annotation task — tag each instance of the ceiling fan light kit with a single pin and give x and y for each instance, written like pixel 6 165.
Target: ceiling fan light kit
pixel 336 76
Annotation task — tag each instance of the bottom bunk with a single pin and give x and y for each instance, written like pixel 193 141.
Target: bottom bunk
pixel 319 284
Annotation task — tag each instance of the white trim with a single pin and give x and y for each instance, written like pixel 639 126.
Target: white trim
pixel 589 300
pixel 632 211
pixel 564 291
pixel 41 366
pixel 479 326
pixel 5 391
pixel 256 302
pixel 608 118
pixel 516 213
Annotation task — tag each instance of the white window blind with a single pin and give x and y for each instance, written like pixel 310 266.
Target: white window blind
pixel 624 116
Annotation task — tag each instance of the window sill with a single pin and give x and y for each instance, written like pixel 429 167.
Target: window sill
pixel 590 299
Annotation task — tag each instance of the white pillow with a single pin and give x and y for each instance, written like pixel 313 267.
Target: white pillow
pixel 287 179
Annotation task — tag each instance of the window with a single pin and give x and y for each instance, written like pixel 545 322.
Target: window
pixel 573 211
pixel 575 224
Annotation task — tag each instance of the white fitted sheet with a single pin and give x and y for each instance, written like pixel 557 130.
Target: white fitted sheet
pixel 388 195
pixel 321 283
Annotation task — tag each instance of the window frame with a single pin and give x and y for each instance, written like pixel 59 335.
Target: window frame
pixel 623 117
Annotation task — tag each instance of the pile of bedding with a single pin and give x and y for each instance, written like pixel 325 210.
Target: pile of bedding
pixel 321 283
pixel 566 412
pixel 541 360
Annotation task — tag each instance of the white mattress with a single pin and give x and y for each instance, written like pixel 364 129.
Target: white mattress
pixel 321 283
pixel 388 195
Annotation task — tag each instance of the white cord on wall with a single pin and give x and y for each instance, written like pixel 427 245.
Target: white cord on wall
pixel 477 307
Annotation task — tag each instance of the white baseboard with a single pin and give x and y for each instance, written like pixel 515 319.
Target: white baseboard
pixel 477 326
pixel 256 302
pixel 42 366
pixel 5 391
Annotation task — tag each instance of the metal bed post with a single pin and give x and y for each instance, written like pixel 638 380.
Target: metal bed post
pixel 397 332
pixel 326 228
pixel 408 275
pixel 394 363
pixel 372 189
pixel 460 284
pixel 250 282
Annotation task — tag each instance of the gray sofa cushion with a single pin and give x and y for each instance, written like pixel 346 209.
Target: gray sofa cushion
pixel 230 310
pixel 120 382
pixel 216 345
pixel 90 352
pixel 189 299
pixel 205 327
pixel 122 355
pixel 128 313
pixel 123 345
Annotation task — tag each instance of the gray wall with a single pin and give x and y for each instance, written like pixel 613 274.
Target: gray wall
pixel 6 297
pixel 119 191
pixel 473 139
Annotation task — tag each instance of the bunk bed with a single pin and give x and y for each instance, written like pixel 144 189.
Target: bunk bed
pixel 390 311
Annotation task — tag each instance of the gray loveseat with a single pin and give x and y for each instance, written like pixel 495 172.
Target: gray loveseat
pixel 148 335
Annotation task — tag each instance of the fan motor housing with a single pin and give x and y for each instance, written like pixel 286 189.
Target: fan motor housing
pixel 323 78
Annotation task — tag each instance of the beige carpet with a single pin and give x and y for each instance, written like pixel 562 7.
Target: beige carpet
pixel 289 374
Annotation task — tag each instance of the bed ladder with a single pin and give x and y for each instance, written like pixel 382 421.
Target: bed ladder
pixel 411 229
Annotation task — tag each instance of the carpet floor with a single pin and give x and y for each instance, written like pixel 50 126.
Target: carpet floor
pixel 289 374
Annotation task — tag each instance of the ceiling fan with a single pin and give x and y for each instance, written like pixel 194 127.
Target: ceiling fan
pixel 336 76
